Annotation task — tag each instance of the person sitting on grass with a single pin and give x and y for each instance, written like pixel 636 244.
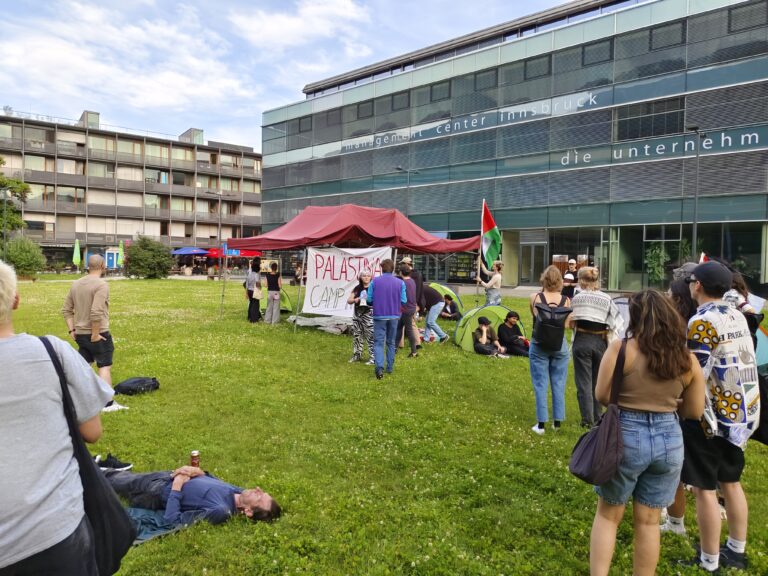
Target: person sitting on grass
pixel 511 337
pixel 450 311
pixel 485 340
pixel 188 494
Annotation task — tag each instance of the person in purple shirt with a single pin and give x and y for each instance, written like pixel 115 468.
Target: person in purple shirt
pixel 386 294
pixel 188 494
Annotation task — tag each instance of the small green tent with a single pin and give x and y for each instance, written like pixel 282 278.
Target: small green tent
pixel 443 289
pixel 468 323
pixel 285 301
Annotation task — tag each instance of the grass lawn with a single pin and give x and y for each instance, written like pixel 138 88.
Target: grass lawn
pixel 433 470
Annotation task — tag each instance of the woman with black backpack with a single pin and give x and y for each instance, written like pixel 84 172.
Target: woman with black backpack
pixel 549 355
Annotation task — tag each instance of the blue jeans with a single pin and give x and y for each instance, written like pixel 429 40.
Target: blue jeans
pixel 549 369
pixel 384 331
pixel 653 457
pixel 432 315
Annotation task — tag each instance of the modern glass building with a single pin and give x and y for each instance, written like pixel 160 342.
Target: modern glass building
pixel 596 130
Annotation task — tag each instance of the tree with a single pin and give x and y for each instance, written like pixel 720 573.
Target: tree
pixel 656 257
pixel 16 189
pixel 25 256
pixel 147 258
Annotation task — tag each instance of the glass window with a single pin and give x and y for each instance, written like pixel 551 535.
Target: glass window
pixel 38 163
pixel 130 173
pixel 749 16
pixel 485 80
pixel 365 109
pixel 440 91
pixel 646 119
pixel 64 166
pixel 537 67
pixel 129 147
pixel 101 143
pixel 70 194
pixel 6 131
pixel 400 101
pixel 305 124
pixel 597 53
pixel 183 154
pixel 101 170
pixel 157 151
pixel 666 36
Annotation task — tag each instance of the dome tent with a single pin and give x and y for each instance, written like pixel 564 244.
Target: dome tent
pixel 468 323
pixel 285 301
pixel 443 289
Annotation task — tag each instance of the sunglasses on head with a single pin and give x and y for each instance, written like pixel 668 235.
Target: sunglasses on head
pixel 690 280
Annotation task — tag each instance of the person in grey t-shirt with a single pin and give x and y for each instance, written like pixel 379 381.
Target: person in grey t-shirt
pixel 43 528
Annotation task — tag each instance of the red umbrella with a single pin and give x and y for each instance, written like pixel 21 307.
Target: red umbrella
pixel 214 253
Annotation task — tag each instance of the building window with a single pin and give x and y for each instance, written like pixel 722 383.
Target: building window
pixel 400 101
pixel 746 17
pixel 365 109
pixel 486 80
pixel 648 119
pixel 441 91
pixel 666 36
pixel 538 67
pixel 305 124
pixel 597 53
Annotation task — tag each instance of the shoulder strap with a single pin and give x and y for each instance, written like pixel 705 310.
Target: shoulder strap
pixel 543 299
pixel 69 408
pixel 618 372
pixel 562 301
pixel 740 306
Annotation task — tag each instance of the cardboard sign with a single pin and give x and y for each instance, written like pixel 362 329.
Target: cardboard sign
pixel 332 273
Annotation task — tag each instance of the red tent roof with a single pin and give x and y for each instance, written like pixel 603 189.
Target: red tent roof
pixel 349 226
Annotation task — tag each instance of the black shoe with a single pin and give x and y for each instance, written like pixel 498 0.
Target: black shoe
pixel 696 561
pixel 731 559
pixel 379 373
pixel 413 355
pixel 112 463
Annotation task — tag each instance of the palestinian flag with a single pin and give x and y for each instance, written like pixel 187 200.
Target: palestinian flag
pixel 490 238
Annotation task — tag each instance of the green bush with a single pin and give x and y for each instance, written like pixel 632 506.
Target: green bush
pixel 147 258
pixel 25 256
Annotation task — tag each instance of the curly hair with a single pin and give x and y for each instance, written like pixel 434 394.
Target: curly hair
pixel 660 333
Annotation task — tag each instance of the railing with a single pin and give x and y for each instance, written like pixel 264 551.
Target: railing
pixel 130 184
pixel 101 209
pixel 71 179
pixel 233 170
pixel 252 220
pixel 39 176
pixel 182 215
pixel 153 212
pixel 130 211
pixel 101 181
pixel 251 197
pixel 70 207
pixel 158 187
pixel 155 160
pixel 128 158
pixel 178 190
pixel 12 143
pixel 36 146
pixel 207 167
pixel 183 164
pixel 70 149
pixel 100 154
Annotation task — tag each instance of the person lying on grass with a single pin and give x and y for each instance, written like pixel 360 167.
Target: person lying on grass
pixel 189 494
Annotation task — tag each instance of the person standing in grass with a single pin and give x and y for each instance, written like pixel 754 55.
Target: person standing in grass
pixel 274 285
pixel 86 312
pixel 43 528
pixel 408 311
pixel 434 303
pixel 386 293
pixel 549 368
pixel 661 379
pixel 253 291
pixel 362 320
pixel 493 286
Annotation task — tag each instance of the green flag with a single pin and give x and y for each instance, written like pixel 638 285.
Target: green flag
pixel 76 254
pixel 490 237
pixel 120 254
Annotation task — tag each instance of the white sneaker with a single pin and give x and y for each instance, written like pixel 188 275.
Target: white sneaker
pixel 537 430
pixel 502 356
pixel 114 407
pixel 673 528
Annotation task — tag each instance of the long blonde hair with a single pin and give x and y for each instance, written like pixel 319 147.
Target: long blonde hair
pixel 551 279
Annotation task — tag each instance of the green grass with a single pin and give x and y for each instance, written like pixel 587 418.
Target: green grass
pixel 433 470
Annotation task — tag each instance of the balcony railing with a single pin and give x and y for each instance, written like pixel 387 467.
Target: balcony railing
pixel 251 198
pixel 158 187
pixel 154 212
pixel 101 210
pixel 101 182
pixel 70 149
pixel 231 170
pixel 207 167
pixel 16 173
pixel 70 207
pixel 128 158
pixel 182 215
pixel 11 143
pixel 39 176
pixel 101 154
pixel 155 160
pixel 179 190
pixel 38 147
pixel 70 179
pixel 252 220
pixel 183 164
pixel 207 217
pixel 130 184
pixel 130 211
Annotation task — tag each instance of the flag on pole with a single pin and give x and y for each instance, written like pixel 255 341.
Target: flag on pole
pixel 120 254
pixel 490 238
pixel 76 253
pixel 703 258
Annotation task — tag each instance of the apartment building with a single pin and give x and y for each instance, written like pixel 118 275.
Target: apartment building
pixel 595 130
pixel 101 185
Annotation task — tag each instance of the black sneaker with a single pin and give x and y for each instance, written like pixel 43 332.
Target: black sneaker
pixel 379 373
pixel 696 561
pixel 112 463
pixel 731 559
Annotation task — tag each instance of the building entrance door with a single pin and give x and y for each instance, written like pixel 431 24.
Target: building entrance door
pixel 533 260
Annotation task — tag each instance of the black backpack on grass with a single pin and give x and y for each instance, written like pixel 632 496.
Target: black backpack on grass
pixel 549 324
pixel 137 385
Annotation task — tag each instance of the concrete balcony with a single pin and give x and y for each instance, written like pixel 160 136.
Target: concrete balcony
pixel 38 147
pixel 70 149
pixel 207 217
pixel 101 182
pixel 156 161
pixel 128 158
pixel 101 210
pixel 178 190
pixel 232 219
pixel 207 167
pixel 158 188
pixel 39 176
pixel 71 179
pixel 182 215
pixel 11 143
pixel 64 207
pixel 156 213
pixel 186 165
pixel 16 173
pixel 251 198
pixel 130 211
pixel 130 185
pixel 99 154
pixel 231 170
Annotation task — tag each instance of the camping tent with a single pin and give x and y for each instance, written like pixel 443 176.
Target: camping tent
pixel 762 351
pixel 353 226
pixel 468 323
pixel 443 289
pixel 285 302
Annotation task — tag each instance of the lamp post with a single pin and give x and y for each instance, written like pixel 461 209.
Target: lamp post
pixel 5 223
pixel 695 229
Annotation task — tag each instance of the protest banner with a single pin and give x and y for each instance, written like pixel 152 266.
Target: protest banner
pixel 333 272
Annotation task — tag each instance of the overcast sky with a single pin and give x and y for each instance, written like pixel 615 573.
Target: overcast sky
pixel 166 66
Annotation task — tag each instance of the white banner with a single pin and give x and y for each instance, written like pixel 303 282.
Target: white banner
pixel 333 272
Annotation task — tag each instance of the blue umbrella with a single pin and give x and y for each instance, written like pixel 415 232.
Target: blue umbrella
pixel 190 251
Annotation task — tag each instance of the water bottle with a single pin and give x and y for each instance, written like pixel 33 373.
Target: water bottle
pixel 363 297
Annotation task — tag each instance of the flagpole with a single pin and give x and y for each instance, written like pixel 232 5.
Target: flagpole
pixel 479 256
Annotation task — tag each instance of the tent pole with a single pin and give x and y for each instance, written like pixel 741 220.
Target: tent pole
pixel 298 298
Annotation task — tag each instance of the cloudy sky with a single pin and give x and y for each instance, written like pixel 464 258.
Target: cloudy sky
pixel 165 66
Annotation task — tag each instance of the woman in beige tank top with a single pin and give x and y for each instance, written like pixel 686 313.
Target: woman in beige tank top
pixel 661 380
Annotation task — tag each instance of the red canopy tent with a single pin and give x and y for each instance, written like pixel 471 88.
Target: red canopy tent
pixel 350 226
pixel 214 253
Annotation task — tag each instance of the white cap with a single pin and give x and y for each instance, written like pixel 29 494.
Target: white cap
pixel 571 261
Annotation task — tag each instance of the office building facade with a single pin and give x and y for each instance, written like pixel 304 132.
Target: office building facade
pixel 101 186
pixel 595 130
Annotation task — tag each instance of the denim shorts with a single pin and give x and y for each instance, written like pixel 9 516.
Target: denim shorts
pixel 653 457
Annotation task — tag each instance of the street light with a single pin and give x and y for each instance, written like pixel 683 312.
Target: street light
pixel 5 223
pixel 695 232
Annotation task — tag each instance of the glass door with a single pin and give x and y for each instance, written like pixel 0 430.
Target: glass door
pixel 533 260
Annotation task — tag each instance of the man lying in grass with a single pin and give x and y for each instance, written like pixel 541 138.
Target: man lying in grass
pixel 188 494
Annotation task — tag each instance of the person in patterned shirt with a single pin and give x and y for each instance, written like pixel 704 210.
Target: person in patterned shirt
pixel 719 337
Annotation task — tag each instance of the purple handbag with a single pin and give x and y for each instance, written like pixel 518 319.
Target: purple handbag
pixel 597 454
